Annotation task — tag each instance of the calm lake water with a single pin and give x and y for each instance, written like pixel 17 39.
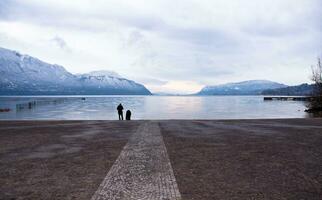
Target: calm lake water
pixel 149 107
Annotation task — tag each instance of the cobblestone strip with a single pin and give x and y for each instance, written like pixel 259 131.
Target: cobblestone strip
pixel 142 170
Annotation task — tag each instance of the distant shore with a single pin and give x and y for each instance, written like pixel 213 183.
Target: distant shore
pixel 211 159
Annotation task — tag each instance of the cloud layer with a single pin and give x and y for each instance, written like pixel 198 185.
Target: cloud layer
pixel 171 46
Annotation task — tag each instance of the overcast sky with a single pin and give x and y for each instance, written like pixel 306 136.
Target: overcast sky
pixel 175 46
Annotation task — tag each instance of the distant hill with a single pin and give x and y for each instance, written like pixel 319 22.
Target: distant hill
pixel 251 87
pixel 26 75
pixel 299 90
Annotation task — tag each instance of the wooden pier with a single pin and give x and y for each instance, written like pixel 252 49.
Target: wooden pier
pixel 40 102
pixel 288 98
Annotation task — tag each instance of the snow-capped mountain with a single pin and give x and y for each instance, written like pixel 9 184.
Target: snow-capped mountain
pixel 252 87
pixel 23 74
pixel 97 81
pixel 104 73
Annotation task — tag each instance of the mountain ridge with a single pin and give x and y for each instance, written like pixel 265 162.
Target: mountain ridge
pixel 297 90
pixel 26 75
pixel 249 87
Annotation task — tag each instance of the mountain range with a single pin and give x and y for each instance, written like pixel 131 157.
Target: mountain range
pixel 25 75
pixel 258 87
pixel 251 87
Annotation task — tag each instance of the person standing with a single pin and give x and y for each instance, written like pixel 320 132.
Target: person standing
pixel 120 111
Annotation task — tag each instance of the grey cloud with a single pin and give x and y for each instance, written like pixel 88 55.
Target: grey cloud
pixel 4 6
pixel 276 29
pixel 30 12
pixel 271 30
pixel 203 37
pixel 61 43
pixel 144 22
pixel 151 81
pixel 15 10
pixel 200 36
pixel 135 37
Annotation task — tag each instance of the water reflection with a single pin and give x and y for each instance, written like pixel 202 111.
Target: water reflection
pixel 172 107
pixel 152 107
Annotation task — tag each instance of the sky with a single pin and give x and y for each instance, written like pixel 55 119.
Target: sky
pixel 170 46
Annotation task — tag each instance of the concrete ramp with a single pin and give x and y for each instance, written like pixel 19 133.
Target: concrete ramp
pixel 142 170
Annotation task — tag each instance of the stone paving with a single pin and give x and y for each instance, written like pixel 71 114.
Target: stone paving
pixel 142 170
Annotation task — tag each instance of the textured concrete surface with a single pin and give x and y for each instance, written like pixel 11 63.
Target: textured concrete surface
pixel 142 171
pixel 58 159
pixel 246 159
pixel 210 159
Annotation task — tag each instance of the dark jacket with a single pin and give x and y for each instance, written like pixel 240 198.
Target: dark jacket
pixel 120 108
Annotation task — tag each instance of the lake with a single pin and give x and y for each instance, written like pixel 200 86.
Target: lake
pixel 148 107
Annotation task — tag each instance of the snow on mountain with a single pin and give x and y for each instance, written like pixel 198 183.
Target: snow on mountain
pixel 105 79
pixel 23 74
pixel 104 73
pixel 30 69
pixel 251 87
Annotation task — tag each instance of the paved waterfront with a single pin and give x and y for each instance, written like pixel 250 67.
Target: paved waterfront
pixel 174 159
